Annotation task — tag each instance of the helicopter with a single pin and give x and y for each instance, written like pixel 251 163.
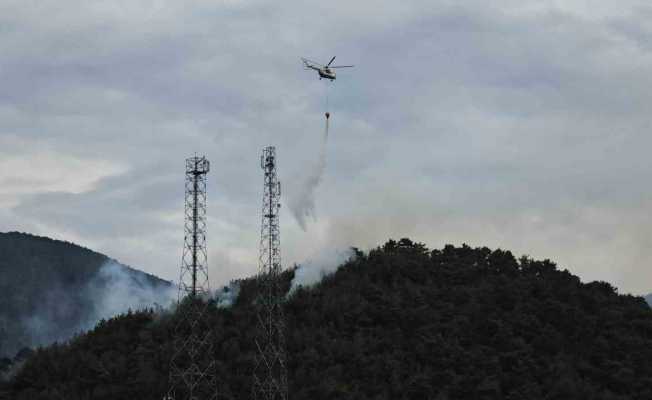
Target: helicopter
pixel 324 71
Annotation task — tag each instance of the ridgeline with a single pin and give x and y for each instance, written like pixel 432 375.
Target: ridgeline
pixel 400 322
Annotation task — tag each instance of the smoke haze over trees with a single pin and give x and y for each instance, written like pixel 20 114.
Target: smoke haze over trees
pixel 398 322
pixel 52 290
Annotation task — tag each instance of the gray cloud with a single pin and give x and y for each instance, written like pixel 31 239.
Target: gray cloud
pixel 522 125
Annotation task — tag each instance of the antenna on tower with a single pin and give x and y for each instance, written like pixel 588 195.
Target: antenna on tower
pixel 192 367
pixel 270 374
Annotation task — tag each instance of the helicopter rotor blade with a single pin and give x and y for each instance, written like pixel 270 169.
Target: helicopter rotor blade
pixel 342 66
pixel 329 63
pixel 310 62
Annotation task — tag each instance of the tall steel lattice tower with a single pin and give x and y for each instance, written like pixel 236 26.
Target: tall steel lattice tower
pixel 192 368
pixel 270 374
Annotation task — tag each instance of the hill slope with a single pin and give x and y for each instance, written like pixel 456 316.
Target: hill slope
pixel 51 290
pixel 400 322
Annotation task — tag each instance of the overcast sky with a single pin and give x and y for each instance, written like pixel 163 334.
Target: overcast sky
pixel 523 125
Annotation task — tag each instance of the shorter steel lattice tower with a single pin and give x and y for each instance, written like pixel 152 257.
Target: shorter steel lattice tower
pixel 270 374
pixel 192 367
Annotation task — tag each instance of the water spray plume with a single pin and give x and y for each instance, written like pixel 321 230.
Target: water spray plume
pixel 302 203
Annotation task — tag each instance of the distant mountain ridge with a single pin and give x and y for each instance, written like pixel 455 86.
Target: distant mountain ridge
pixel 53 289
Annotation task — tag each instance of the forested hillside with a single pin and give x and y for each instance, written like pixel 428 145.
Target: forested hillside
pixel 53 289
pixel 400 322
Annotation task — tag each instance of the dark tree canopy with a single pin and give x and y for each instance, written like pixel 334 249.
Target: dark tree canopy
pixel 400 322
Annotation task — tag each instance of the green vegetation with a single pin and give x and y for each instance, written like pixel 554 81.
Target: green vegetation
pixel 400 322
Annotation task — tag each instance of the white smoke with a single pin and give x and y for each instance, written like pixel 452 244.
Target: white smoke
pixel 113 290
pixel 227 296
pixel 117 290
pixel 302 202
pixel 320 265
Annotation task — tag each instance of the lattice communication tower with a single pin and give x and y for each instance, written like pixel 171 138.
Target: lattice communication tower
pixel 192 367
pixel 270 374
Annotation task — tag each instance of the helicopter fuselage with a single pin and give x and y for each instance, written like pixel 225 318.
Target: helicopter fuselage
pixel 326 73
